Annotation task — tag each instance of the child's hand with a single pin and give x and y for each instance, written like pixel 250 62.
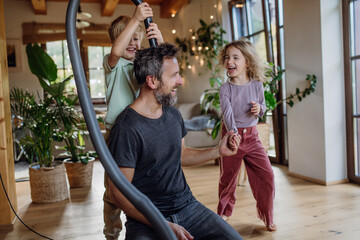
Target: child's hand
pixel 255 108
pixel 233 142
pixel 142 12
pixel 153 32
pixel 230 138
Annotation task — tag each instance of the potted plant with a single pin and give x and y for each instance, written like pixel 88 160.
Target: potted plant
pixel 79 165
pixel 47 177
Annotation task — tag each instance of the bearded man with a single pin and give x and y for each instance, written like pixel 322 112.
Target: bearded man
pixel 147 143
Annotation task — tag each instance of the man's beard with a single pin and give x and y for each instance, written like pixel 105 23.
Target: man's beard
pixel 165 99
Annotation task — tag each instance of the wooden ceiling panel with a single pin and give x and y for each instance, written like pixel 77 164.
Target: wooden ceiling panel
pixel 171 6
pixel 39 6
pixel 108 7
pixel 167 7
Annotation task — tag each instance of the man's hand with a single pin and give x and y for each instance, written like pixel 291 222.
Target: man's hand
pixel 180 232
pixel 229 144
pixel 142 12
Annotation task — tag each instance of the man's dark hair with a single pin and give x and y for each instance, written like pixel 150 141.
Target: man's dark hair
pixel 149 61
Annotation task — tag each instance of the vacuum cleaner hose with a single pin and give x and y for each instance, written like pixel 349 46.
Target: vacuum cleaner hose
pixel 139 200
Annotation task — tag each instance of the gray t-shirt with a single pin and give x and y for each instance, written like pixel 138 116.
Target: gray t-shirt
pixel 153 148
pixel 235 103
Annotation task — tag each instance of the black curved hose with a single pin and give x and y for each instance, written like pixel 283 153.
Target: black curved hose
pixel 147 22
pixel 139 200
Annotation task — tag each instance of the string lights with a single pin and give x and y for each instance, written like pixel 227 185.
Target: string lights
pixel 216 7
pixel 173 16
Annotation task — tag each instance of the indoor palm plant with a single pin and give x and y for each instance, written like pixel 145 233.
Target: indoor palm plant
pixel 47 177
pixel 71 123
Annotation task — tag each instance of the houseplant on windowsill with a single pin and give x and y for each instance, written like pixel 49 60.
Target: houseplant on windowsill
pixel 47 177
pixel 70 120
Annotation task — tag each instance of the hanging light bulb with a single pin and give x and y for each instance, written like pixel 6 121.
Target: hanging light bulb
pixel 173 31
pixel 211 17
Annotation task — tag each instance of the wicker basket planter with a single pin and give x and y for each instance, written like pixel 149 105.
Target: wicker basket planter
pixel 48 184
pixel 79 174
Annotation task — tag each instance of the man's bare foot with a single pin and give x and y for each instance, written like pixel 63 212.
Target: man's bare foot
pixel 271 228
pixel 226 218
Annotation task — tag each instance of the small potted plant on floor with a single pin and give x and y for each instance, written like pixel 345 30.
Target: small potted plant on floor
pixel 47 177
pixel 79 165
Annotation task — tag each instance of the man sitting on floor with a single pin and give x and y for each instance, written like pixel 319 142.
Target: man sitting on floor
pixel 147 143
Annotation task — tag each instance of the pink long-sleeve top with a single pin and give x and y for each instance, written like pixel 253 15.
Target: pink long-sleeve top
pixel 235 103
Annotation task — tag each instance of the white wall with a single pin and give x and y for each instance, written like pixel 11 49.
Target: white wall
pixel 17 12
pixel 316 126
pixel 334 89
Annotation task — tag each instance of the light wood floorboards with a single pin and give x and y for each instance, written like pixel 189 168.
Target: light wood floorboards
pixel 303 210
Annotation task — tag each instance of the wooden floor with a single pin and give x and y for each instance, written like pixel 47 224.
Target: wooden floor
pixel 303 210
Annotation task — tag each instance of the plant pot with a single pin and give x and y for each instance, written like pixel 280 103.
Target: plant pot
pixel 264 134
pixel 79 174
pixel 48 184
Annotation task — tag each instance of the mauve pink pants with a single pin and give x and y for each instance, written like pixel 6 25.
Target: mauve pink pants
pixel 260 174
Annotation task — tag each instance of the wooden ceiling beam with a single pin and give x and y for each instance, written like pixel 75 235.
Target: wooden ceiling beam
pixel 171 6
pixel 167 7
pixel 39 6
pixel 108 7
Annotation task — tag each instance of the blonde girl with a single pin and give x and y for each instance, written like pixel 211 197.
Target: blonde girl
pixel 242 102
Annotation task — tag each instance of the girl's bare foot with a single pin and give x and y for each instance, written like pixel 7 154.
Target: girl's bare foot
pixel 271 228
pixel 226 218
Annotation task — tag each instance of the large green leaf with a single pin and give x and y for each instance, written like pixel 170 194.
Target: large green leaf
pixel 40 63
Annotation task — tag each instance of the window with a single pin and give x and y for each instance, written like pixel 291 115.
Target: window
pixel 248 21
pixel 351 26
pixel 261 21
pixel 58 51
pixel 96 71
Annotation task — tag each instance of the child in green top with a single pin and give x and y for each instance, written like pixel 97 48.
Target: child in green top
pixel 121 87
pixel 126 35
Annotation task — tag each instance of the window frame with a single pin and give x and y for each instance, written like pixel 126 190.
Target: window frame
pixel 350 116
pixel 41 33
pixel 279 114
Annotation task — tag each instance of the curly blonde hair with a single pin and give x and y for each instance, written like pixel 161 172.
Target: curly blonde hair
pixel 255 66
pixel 119 24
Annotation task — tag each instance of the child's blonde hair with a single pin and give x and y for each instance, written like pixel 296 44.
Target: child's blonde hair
pixel 118 25
pixel 255 66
